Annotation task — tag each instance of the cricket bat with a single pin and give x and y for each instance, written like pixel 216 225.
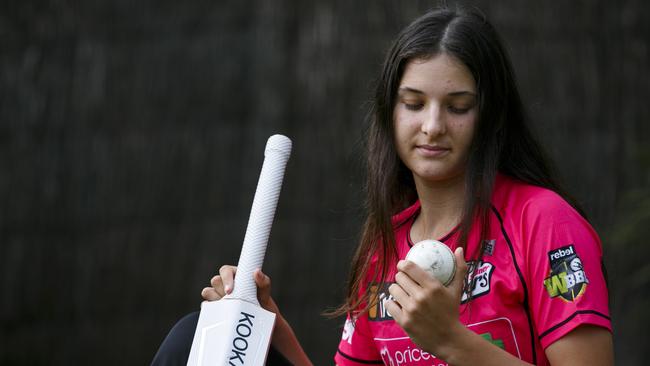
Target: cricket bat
pixel 236 330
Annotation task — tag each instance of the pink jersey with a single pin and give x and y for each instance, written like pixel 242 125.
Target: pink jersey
pixel 540 277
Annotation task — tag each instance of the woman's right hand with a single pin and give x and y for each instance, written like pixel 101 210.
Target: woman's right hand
pixel 283 339
pixel 223 283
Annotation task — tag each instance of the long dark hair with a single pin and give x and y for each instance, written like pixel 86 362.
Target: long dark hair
pixel 502 141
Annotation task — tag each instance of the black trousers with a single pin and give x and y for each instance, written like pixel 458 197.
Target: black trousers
pixel 175 349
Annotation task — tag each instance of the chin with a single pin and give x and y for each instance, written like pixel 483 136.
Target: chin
pixel 438 175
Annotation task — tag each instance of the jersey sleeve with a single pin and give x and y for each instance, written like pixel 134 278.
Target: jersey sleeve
pixel 566 283
pixel 357 346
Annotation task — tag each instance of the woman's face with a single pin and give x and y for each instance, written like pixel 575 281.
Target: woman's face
pixel 434 117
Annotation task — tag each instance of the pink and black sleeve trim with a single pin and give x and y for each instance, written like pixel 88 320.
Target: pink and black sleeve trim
pixel 565 321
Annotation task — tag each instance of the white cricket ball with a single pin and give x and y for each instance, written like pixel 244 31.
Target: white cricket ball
pixel 435 258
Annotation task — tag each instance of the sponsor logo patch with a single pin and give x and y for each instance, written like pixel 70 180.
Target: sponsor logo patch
pixel 496 342
pixel 479 277
pixel 377 311
pixel 566 278
pixel 348 331
pixel 488 247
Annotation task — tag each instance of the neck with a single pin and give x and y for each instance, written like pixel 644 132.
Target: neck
pixel 441 207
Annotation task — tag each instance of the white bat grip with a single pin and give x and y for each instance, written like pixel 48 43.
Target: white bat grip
pixel 276 155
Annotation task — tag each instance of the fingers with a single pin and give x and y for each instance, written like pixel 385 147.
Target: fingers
pixel 217 284
pixel 406 283
pixel 263 283
pixel 209 294
pixel 398 293
pixel 394 310
pixel 461 270
pixel 215 292
pixel 417 274
pixel 222 284
pixel 227 274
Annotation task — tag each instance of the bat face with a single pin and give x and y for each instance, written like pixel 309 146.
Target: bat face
pixel 231 332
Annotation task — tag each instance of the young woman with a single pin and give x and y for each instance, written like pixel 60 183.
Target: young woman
pixel 450 158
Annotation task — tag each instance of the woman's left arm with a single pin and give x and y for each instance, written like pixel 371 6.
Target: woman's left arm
pixel 585 345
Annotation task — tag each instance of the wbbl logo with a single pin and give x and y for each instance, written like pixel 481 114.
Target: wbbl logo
pixel 567 278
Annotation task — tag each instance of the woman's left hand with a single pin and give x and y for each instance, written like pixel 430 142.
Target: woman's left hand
pixel 423 307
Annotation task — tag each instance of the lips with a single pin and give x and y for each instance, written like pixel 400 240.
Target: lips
pixel 432 150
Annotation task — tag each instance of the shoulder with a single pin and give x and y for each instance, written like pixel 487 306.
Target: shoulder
pixel 518 200
pixel 540 219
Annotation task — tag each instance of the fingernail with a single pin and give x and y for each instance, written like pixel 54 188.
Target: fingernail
pixel 227 289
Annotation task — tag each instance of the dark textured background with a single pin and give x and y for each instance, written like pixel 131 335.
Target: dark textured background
pixel 132 132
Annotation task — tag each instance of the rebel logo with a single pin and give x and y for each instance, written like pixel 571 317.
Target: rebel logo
pixel 243 329
pixel 567 278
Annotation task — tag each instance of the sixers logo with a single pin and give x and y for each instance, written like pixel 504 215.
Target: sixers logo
pixel 567 278
pixel 480 276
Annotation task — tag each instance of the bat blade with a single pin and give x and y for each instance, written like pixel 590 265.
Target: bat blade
pixel 231 332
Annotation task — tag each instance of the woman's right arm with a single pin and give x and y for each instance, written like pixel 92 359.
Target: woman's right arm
pixel 284 339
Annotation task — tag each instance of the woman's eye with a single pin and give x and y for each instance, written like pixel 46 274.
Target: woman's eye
pixel 457 110
pixel 413 106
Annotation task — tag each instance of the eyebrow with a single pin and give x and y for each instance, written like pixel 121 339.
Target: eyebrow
pixel 416 91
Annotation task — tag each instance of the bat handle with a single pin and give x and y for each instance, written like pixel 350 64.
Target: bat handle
pixel 276 155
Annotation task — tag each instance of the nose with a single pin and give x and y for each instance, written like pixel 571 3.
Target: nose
pixel 433 122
